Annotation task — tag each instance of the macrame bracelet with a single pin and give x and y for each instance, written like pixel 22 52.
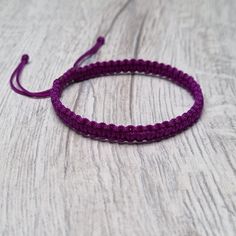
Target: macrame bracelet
pixel 111 132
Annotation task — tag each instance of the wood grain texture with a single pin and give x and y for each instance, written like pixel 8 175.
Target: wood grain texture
pixel 55 182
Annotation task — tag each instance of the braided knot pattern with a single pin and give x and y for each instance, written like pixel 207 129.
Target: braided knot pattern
pixel 130 133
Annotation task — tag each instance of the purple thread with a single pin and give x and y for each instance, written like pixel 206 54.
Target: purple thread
pixel 21 90
pixel 111 132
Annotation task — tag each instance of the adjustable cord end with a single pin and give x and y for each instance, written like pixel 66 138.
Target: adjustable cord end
pixel 91 51
pixel 18 88
pixel 101 40
pixel 25 58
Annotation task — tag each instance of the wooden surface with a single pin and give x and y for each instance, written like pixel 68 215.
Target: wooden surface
pixel 55 182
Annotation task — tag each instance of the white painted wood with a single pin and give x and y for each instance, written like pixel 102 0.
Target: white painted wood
pixel 55 182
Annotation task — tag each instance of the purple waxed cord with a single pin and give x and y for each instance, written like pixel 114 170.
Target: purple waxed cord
pixel 44 94
pixel 111 132
pixel 90 52
pixel 21 90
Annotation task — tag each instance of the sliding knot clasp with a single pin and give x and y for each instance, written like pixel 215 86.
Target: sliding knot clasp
pixel 15 77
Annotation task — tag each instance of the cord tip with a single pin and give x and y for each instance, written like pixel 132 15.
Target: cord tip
pixel 25 58
pixel 101 40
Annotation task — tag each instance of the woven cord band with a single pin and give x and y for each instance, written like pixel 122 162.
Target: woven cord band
pixel 112 132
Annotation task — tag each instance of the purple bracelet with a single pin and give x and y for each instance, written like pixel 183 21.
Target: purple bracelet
pixel 111 132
